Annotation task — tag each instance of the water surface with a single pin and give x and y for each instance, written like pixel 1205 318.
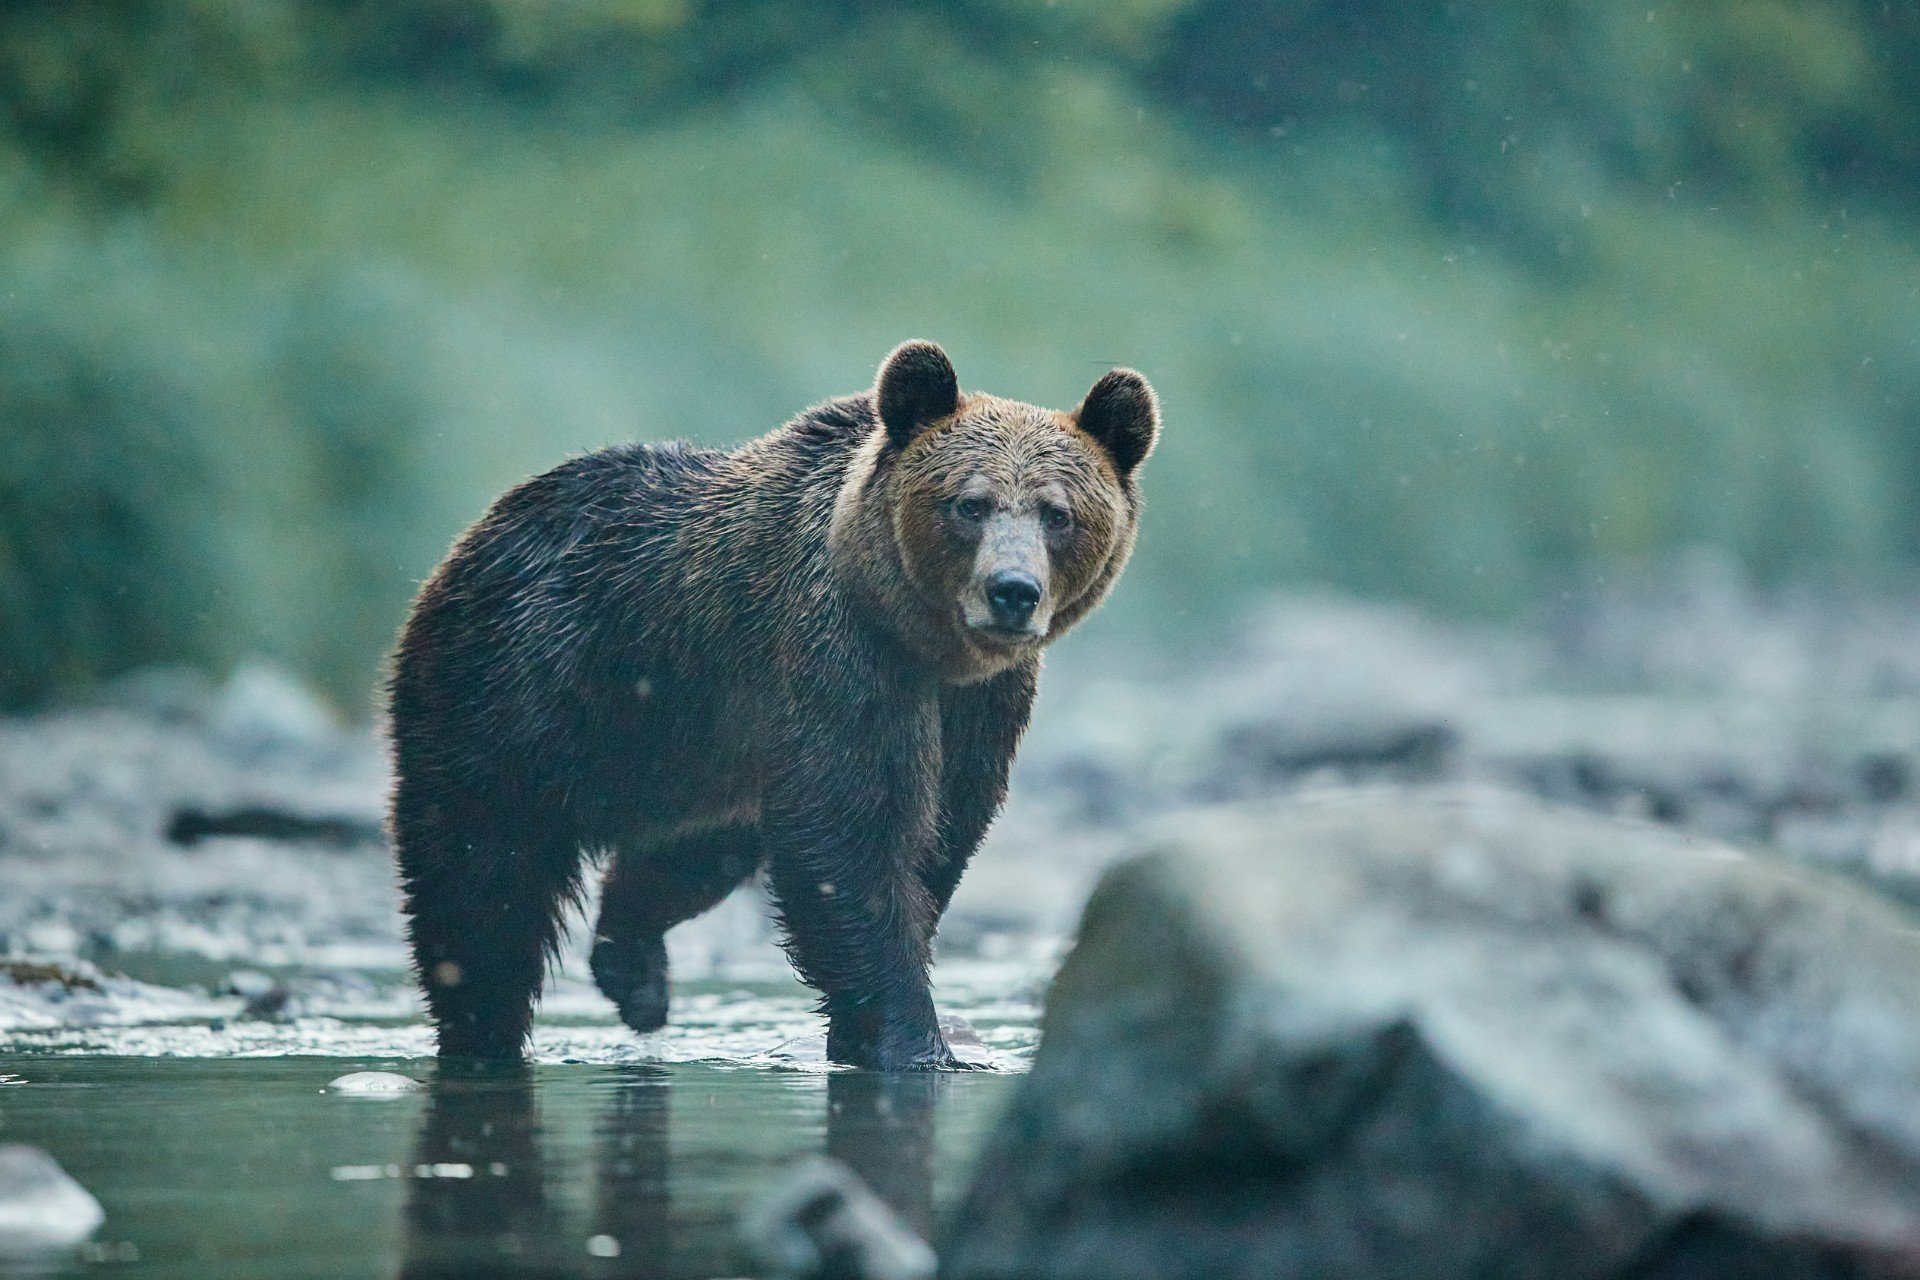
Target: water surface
pixel 218 1150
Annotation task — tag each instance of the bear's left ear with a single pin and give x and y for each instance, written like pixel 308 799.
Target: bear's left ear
pixel 1122 414
pixel 916 387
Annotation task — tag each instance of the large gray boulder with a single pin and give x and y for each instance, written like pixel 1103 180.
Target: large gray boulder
pixel 1385 1035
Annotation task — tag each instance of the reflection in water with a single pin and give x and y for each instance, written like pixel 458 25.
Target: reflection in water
pixel 632 1208
pixel 881 1126
pixel 476 1203
pixel 483 1190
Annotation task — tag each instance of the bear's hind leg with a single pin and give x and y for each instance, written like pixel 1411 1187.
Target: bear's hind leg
pixel 649 889
pixel 483 897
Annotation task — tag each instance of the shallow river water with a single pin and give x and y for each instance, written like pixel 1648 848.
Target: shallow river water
pixel 218 1149
pixel 215 869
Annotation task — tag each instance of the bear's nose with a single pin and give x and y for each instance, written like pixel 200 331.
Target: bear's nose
pixel 1012 595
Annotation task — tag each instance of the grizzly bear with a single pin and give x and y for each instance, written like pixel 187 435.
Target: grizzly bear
pixel 812 656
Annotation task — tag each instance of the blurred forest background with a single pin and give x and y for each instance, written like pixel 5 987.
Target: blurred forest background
pixel 1453 302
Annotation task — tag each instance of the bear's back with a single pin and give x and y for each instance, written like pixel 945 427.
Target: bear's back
pixel 662 552
pixel 641 486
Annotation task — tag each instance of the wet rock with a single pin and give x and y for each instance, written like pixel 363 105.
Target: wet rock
pixel 41 973
pixel 1446 1035
pixel 960 1033
pixel 47 992
pixel 1885 777
pixel 193 823
pixel 1376 746
pixel 41 1207
pixel 1101 794
pixel 374 1084
pixel 39 994
pixel 820 1222
pixel 263 998
pixel 275 1004
pixel 263 709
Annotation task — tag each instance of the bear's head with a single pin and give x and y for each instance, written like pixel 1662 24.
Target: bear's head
pixel 984 527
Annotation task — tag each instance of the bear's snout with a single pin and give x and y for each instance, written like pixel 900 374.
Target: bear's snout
pixel 1012 595
pixel 1005 602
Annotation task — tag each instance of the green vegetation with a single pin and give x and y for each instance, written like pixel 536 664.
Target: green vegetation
pixel 1448 301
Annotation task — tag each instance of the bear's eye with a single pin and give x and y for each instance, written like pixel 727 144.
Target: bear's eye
pixel 1053 519
pixel 971 508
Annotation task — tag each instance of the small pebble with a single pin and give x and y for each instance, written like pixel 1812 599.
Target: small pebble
pixel 374 1084
pixel 41 1207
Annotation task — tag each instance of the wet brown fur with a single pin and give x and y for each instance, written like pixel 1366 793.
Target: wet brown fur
pixel 889 530
pixel 712 663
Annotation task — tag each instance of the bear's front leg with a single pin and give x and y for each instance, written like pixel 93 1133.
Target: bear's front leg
pixel 848 816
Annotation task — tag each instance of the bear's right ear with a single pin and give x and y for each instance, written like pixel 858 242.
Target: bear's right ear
pixel 916 387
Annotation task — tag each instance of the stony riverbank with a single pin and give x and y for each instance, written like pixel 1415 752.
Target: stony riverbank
pixel 176 830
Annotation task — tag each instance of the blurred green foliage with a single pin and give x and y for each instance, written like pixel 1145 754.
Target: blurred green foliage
pixel 1445 300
